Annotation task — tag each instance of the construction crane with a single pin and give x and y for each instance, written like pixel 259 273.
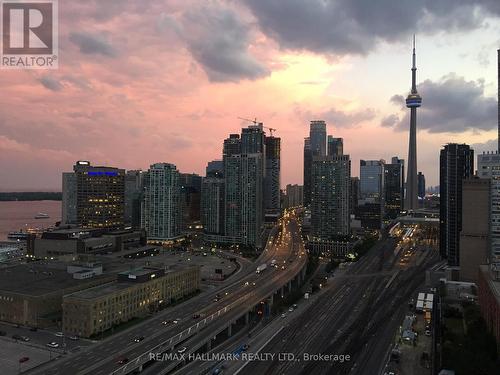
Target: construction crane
pixel 255 122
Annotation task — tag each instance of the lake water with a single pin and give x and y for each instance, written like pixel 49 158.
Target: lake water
pixel 18 215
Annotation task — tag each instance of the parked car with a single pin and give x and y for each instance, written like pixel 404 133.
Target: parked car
pixel 182 350
pixel 74 338
pixel 139 339
pixel 122 360
pixel 21 338
pixel 59 334
pixel 53 345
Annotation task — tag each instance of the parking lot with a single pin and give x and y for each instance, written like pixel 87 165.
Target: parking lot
pixel 11 352
pixel 40 338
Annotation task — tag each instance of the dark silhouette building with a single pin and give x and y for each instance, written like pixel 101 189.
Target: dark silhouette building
pixel 421 185
pixel 456 164
pixel 307 171
pixel 394 177
pixel 335 146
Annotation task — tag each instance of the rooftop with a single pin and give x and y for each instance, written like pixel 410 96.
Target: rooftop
pixel 101 290
pixel 113 287
pixel 38 279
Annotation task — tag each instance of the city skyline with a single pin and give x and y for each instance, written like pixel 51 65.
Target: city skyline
pixel 171 97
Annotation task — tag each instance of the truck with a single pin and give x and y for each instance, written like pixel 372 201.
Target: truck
pixel 420 306
pixel 261 268
pixel 427 316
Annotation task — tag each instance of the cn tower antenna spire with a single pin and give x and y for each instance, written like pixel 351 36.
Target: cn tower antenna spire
pixel 414 69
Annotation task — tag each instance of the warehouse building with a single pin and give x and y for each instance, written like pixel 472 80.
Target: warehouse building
pixel 135 293
pixel 31 294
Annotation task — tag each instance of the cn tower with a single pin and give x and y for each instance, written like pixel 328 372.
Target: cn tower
pixel 413 101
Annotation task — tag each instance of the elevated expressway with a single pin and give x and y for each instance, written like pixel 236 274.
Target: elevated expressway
pixel 243 297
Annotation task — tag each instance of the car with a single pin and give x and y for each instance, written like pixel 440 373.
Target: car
pixel 53 344
pixel 59 334
pixel 74 338
pixel 283 315
pixel 16 337
pixel 294 305
pixel 166 322
pixel 177 320
pixel 33 329
pixel 22 338
pixel 290 309
pixel 182 350
pixel 122 360
pixel 427 332
pixel 139 339
pixel 196 316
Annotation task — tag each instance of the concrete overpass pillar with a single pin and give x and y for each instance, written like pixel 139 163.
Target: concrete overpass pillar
pixel 230 330
pixel 290 286
pixel 140 368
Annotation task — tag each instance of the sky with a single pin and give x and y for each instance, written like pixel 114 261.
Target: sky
pixel 146 81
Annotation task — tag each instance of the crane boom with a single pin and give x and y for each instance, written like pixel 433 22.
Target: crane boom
pixel 255 122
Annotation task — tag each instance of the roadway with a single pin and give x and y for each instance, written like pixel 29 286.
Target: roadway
pixel 101 359
pixel 288 252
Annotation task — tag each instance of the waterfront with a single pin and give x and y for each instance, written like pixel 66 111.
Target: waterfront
pixel 16 215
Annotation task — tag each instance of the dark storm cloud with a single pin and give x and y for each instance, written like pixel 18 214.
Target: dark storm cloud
pixel 451 105
pixel 390 121
pixel 355 26
pixel 218 40
pixel 343 119
pixel 51 83
pixel 93 44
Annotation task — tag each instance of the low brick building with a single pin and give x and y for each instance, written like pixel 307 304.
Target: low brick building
pixel 32 294
pixel 134 294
